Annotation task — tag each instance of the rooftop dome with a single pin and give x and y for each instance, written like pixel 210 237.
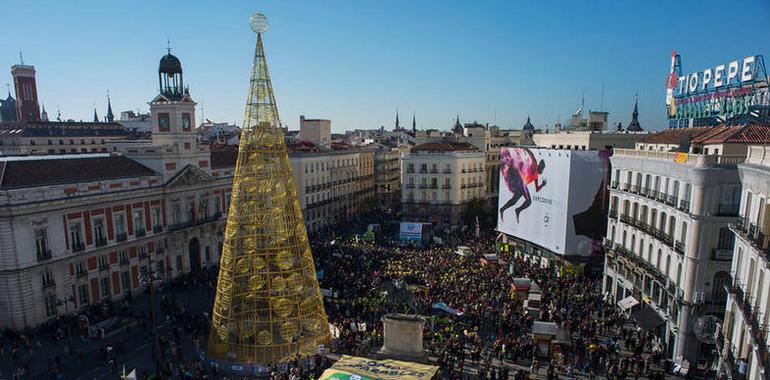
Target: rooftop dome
pixel 169 64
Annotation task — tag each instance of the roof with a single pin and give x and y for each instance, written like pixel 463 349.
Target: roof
pixel 169 64
pixel 737 134
pixel 32 173
pixel 444 147
pixel 223 158
pixel 58 128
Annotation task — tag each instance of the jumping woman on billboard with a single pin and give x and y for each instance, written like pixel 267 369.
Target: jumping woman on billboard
pixel 519 168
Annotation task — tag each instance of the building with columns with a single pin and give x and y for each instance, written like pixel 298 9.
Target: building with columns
pixel 747 316
pixel 669 246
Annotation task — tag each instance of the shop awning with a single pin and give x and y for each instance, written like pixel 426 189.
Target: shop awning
pixel 627 303
pixel 647 318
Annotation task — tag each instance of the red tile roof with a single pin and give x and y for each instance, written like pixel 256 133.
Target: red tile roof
pixel 444 147
pixel 44 172
pixel 737 134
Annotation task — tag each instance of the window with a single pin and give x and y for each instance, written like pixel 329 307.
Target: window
pixel 179 266
pixel 726 239
pixel 176 214
pixel 80 269
pixel 186 121
pixel 123 257
pixel 203 208
pixel 217 206
pixel 164 122
pixel 99 235
pixel 161 266
pixel 105 287
pixel 72 142
pixel 104 264
pixel 125 280
pixel 46 278
pixel 156 218
pixel 50 305
pixel 83 297
pixel 61 142
pixel 75 236
pixel 120 227
pixel 41 244
pixel 227 201
pixel 138 221
pixel 82 142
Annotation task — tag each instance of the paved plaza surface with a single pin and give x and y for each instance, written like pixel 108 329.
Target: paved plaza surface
pixel 182 309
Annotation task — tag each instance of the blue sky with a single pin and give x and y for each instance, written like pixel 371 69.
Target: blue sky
pixel 355 62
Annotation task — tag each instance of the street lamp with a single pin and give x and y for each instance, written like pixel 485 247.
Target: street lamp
pixel 66 301
pixel 296 339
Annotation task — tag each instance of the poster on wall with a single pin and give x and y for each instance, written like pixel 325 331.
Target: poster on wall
pixel 556 199
pixel 410 231
pixel 533 198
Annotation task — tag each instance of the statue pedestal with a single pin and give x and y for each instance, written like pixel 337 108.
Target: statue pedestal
pixel 402 336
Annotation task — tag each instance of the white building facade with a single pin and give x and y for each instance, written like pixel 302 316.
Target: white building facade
pixel 440 179
pixel 668 242
pixel 747 317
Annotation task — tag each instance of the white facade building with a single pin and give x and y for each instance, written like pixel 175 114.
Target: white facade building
pixel 439 179
pixel 668 242
pixel 747 316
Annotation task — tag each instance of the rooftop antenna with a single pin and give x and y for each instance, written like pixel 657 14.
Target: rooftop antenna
pixel 601 103
pixel 168 45
pixel 21 58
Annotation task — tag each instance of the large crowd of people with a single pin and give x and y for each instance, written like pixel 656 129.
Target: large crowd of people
pixel 488 336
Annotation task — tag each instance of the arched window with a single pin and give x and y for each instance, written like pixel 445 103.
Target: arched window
pixel 649 253
pixel 641 247
pixel 678 275
pixel 657 259
pixel 668 264
pixel 662 226
pixel 612 234
pixel 635 212
pixel 633 243
pixel 623 242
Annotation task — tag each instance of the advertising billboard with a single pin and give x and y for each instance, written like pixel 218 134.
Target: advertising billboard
pixel 556 199
pixel 410 231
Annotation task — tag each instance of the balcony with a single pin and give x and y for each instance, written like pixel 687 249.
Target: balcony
pixel 653 194
pixel 121 236
pixel 100 241
pixel 434 170
pixel 410 186
pixel 78 246
pixel 671 200
pixel 613 213
pixel 625 186
pixel 447 171
pixel 644 191
pixel 424 186
pixel 445 186
pixel 434 186
pixel 195 222
pixel 123 261
pixel 751 317
pixel 410 170
pixel 49 284
pixel 81 273
pixel 43 255
pixel 140 232
pixel 614 185
pixel 679 247
pixel 635 189
pixel 423 170
pixel 157 229
pixel 684 205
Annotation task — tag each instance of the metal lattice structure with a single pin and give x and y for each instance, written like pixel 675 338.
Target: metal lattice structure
pixel 268 306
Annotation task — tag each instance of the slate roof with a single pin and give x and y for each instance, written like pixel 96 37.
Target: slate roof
pixel 47 172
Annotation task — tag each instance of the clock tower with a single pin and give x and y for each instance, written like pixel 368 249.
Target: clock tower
pixel 173 110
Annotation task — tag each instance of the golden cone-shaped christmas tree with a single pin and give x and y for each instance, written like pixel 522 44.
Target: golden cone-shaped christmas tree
pixel 268 306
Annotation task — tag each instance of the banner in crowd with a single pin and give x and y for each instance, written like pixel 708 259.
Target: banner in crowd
pixel 358 368
pixel 444 307
pixel 410 231
pixel 556 199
